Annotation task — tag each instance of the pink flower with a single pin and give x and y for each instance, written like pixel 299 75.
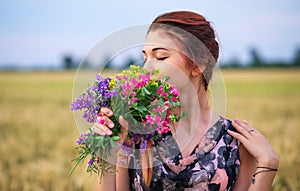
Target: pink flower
pixel 134 82
pixel 119 78
pixel 124 93
pixel 148 117
pixel 174 99
pixel 159 130
pixel 166 106
pixel 139 85
pixel 126 86
pixel 160 90
pixel 157 119
pixel 165 130
pixel 134 99
pixel 145 78
pixel 175 92
pixel 162 130
pixel 164 94
pixel 149 120
pixel 165 123
pixel 155 110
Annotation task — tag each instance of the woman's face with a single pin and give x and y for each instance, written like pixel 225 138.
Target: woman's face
pixel 160 51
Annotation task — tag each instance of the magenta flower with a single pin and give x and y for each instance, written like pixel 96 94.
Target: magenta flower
pixel 134 99
pixel 175 92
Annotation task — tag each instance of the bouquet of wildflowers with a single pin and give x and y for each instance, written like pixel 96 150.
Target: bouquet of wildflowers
pixel 145 103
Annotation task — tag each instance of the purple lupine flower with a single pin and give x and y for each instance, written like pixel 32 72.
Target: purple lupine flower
pixel 126 147
pixel 96 96
pixel 91 161
pixel 81 140
pixel 143 144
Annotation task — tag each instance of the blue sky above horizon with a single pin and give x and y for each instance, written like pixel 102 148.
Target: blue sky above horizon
pixel 36 32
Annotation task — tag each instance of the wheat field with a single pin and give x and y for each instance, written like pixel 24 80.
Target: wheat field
pixel 38 131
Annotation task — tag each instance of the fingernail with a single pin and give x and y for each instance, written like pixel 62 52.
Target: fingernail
pixel 236 120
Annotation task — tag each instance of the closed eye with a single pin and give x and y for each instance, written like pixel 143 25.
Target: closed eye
pixel 163 58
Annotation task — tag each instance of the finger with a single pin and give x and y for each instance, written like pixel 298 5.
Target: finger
pixel 123 122
pixel 245 125
pixel 106 111
pixel 107 121
pixel 236 135
pixel 239 127
pixel 245 122
pixel 102 129
pixel 98 131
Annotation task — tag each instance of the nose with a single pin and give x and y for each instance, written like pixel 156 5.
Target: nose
pixel 149 64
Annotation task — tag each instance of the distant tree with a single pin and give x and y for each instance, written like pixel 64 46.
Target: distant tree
pixel 68 62
pixel 296 60
pixel 255 58
pixel 234 62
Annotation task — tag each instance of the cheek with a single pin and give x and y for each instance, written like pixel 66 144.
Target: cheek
pixel 178 77
pixel 175 69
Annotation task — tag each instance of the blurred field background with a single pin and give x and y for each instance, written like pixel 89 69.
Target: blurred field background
pixel 38 131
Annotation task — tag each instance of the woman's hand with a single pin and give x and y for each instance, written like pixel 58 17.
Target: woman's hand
pixel 255 143
pixel 104 124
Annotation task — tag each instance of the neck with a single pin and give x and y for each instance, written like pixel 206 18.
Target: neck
pixel 190 130
pixel 196 104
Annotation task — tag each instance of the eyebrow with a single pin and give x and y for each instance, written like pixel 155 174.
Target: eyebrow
pixel 156 49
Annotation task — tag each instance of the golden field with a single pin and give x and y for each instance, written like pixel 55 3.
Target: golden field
pixel 38 131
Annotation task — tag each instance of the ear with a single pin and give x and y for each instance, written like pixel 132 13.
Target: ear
pixel 196 71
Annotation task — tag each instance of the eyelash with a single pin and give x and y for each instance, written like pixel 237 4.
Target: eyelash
pixel 163 58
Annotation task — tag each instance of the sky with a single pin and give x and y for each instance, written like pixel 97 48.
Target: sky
pixel 34 32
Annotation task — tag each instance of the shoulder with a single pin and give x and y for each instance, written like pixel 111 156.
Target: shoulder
pixel 224 135
pixel 219 129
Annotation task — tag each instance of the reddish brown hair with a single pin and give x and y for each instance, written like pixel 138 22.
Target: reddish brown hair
pixel 195 35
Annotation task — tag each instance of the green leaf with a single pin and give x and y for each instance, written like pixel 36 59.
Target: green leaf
pixel 145 91
pixel 115 138
pixel 166 78
pixel 184 114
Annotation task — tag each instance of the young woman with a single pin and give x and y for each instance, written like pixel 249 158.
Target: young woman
pixel 204 151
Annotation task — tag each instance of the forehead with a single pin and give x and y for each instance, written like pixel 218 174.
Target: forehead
pixel 160 39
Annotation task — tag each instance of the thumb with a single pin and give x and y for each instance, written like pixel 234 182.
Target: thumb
pixel 123 122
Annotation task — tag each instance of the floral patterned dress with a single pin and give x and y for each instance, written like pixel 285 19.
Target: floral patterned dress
pixel 212 166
